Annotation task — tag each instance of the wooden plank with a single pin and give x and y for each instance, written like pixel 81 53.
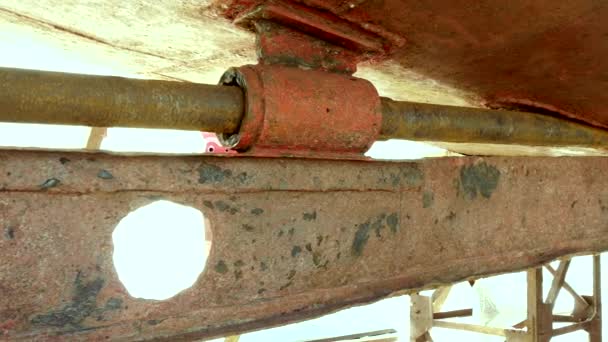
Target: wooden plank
pixel 558 282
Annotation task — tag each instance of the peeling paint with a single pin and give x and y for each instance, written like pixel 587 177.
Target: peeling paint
pixel 83 305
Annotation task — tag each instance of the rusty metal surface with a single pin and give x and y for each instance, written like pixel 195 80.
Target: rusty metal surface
pixel 296 35
pixel 292 239
pixel 104 101
pixel 427 122
pixel 309 113
pixel 542 55
pixel 285 111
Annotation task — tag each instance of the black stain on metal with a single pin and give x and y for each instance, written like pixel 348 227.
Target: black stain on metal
pixel 154 321
pixel 291 274
pixel 451 216
pixel 319 240
pixel 310 216
pixel 83 305
pixel 221 267
pixel 283 287
pixel 378 225
pixel 603 207
pixel 308 247
pixel 573 204
pixel 480 179
pixel 338 255
pixel 262 290
pixel 242 177
pixel 409 175
pixel 208 204
pixel 248 227
pixel 257 211
pixel 64 160
pixel 428 198
pixel 209 173
pixel 295 251
pixel 9 233
pixel 213 174
pixel 361 237
pixel 239 263
pixel 225 207
pixel 316 258
pixel 105 174
pixel 50 183
pixel 362 234
pixel 222 206
pixel 392 221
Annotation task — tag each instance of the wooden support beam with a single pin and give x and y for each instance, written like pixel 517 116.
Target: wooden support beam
pixel 539 314
pixel 439 297
pixel 595 325
pixel 580 304
pixel 421 318
pixel 96 138
pixel 470 327
pixel 558 282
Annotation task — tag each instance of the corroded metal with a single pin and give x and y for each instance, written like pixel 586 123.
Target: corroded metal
pixel 103 101
pixel 292 239
pixel 308 113
pixel 287 110
pixel 555 59
pixel 428 122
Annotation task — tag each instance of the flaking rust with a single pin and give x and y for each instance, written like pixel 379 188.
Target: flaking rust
pixel 289 243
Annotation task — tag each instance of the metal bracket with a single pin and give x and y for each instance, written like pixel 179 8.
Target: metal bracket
pixel 301 98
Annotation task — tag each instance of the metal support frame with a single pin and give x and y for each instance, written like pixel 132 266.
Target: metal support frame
pixel 292 238
pixel 538 326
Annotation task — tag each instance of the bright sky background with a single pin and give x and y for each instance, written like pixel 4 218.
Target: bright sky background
pixel 154 264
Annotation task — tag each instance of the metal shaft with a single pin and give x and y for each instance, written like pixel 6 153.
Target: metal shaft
pixel 32 96
pixel 429 122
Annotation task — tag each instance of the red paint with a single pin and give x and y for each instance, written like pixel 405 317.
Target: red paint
pixel 298 112
pixel 554 55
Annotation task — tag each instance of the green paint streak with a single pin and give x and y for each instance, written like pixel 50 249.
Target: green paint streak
pixel 478 179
